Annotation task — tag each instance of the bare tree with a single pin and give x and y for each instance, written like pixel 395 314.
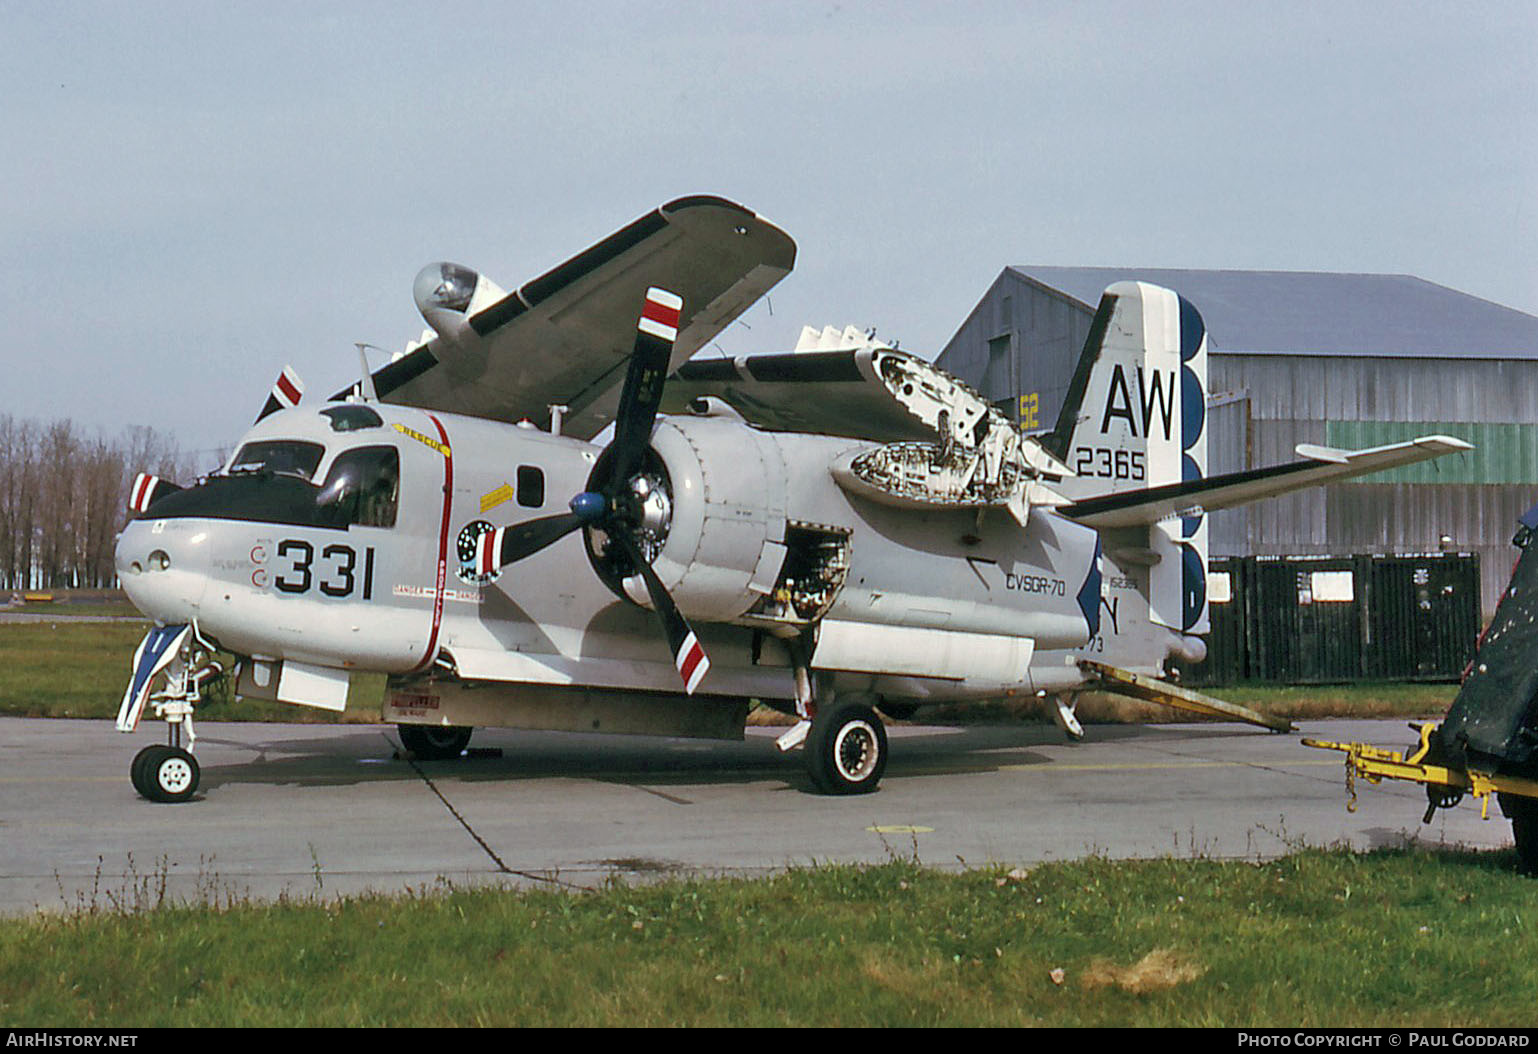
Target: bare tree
pixel 64 497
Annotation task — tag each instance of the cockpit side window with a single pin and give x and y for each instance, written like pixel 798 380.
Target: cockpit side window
pixel 351 417
pixel 282 457
pixel 362 488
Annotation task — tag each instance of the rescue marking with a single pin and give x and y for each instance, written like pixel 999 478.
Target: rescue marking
pixel 440 447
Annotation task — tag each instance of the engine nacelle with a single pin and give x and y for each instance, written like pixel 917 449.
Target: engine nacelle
pixel 723 546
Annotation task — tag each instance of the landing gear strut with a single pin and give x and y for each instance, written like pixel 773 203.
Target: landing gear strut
pixel 845 741
pixel 168 772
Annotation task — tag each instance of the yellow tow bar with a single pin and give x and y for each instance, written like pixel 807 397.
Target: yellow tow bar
pixel 1153 690
pixel 1375 764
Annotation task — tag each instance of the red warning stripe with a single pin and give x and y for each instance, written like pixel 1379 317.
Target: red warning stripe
pixel 287 389
pixel 488 550
pixel 660 314
pixel 143 489
pixel 692 663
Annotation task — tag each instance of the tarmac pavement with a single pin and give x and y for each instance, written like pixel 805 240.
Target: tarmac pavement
pixel 332 810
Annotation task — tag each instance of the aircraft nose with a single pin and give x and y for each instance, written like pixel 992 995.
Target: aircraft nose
pixel 163 567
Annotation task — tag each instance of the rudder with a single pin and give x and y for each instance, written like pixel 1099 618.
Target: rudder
pixel 1135 419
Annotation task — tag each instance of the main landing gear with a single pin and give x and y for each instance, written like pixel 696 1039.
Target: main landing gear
pixel 846 749
pixel 844 739
pixel 434 742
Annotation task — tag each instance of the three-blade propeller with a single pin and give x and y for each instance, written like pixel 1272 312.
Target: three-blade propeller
pixel 611 503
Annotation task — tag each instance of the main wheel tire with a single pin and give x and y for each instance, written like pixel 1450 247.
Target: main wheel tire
pixel 169 775
pixel 1523 814
pixel 434 742
pixel 846 750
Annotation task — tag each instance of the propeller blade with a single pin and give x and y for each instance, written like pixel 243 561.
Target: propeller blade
pixel 286 392
pixel 655 333
pixel 505 545
pixel 688 655
pixel 146 490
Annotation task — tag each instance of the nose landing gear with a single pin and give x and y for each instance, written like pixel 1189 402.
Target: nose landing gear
pixel 168 772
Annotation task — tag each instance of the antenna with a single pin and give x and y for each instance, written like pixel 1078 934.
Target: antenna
pixel 366 384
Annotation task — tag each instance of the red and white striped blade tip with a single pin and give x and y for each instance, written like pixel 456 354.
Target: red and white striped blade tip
pixel 488 549
pixel 288 389
pixel 659 316
pixel 692 663
pixel 143 490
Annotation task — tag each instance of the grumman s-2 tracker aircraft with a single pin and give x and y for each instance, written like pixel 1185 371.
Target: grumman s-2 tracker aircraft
pixel 838 532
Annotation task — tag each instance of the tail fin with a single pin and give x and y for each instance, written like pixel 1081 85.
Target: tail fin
pixel 1135 418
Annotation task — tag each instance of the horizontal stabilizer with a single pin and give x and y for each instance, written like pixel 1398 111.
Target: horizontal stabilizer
pixel 1320 465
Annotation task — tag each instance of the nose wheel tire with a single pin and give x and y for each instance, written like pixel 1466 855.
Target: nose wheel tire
pixel 846 750
pixel 434 742
pixel 165 774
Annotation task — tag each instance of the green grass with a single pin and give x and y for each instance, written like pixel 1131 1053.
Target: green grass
pixel 1319 938
pixel 1359 699
pixel 66 669
pixel 80 669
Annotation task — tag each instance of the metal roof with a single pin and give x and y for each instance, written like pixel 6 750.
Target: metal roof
pixel 1317 313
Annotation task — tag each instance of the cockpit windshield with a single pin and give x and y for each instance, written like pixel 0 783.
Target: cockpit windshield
pixel 270 482
pixel 281 457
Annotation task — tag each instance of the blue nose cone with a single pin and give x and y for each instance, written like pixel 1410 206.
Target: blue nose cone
pixel 590 506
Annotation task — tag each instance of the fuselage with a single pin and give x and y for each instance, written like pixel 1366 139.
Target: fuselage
pixel 343 538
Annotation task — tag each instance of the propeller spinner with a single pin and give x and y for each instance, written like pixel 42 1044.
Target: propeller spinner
pixel 623 504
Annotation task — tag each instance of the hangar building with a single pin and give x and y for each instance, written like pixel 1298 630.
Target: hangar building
pixel 1346 360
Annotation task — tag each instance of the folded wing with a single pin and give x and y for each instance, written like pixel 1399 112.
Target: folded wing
pixel 565 337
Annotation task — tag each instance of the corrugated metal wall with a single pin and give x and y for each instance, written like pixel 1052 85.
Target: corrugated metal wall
pixel 1263 406
pixel 1042 331
pixel 1357 402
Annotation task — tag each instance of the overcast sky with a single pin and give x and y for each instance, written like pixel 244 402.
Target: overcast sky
pixel 193 195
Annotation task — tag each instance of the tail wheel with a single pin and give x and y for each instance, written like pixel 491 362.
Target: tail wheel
pixel 846 750
pixel 165 774
pixel 434 742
